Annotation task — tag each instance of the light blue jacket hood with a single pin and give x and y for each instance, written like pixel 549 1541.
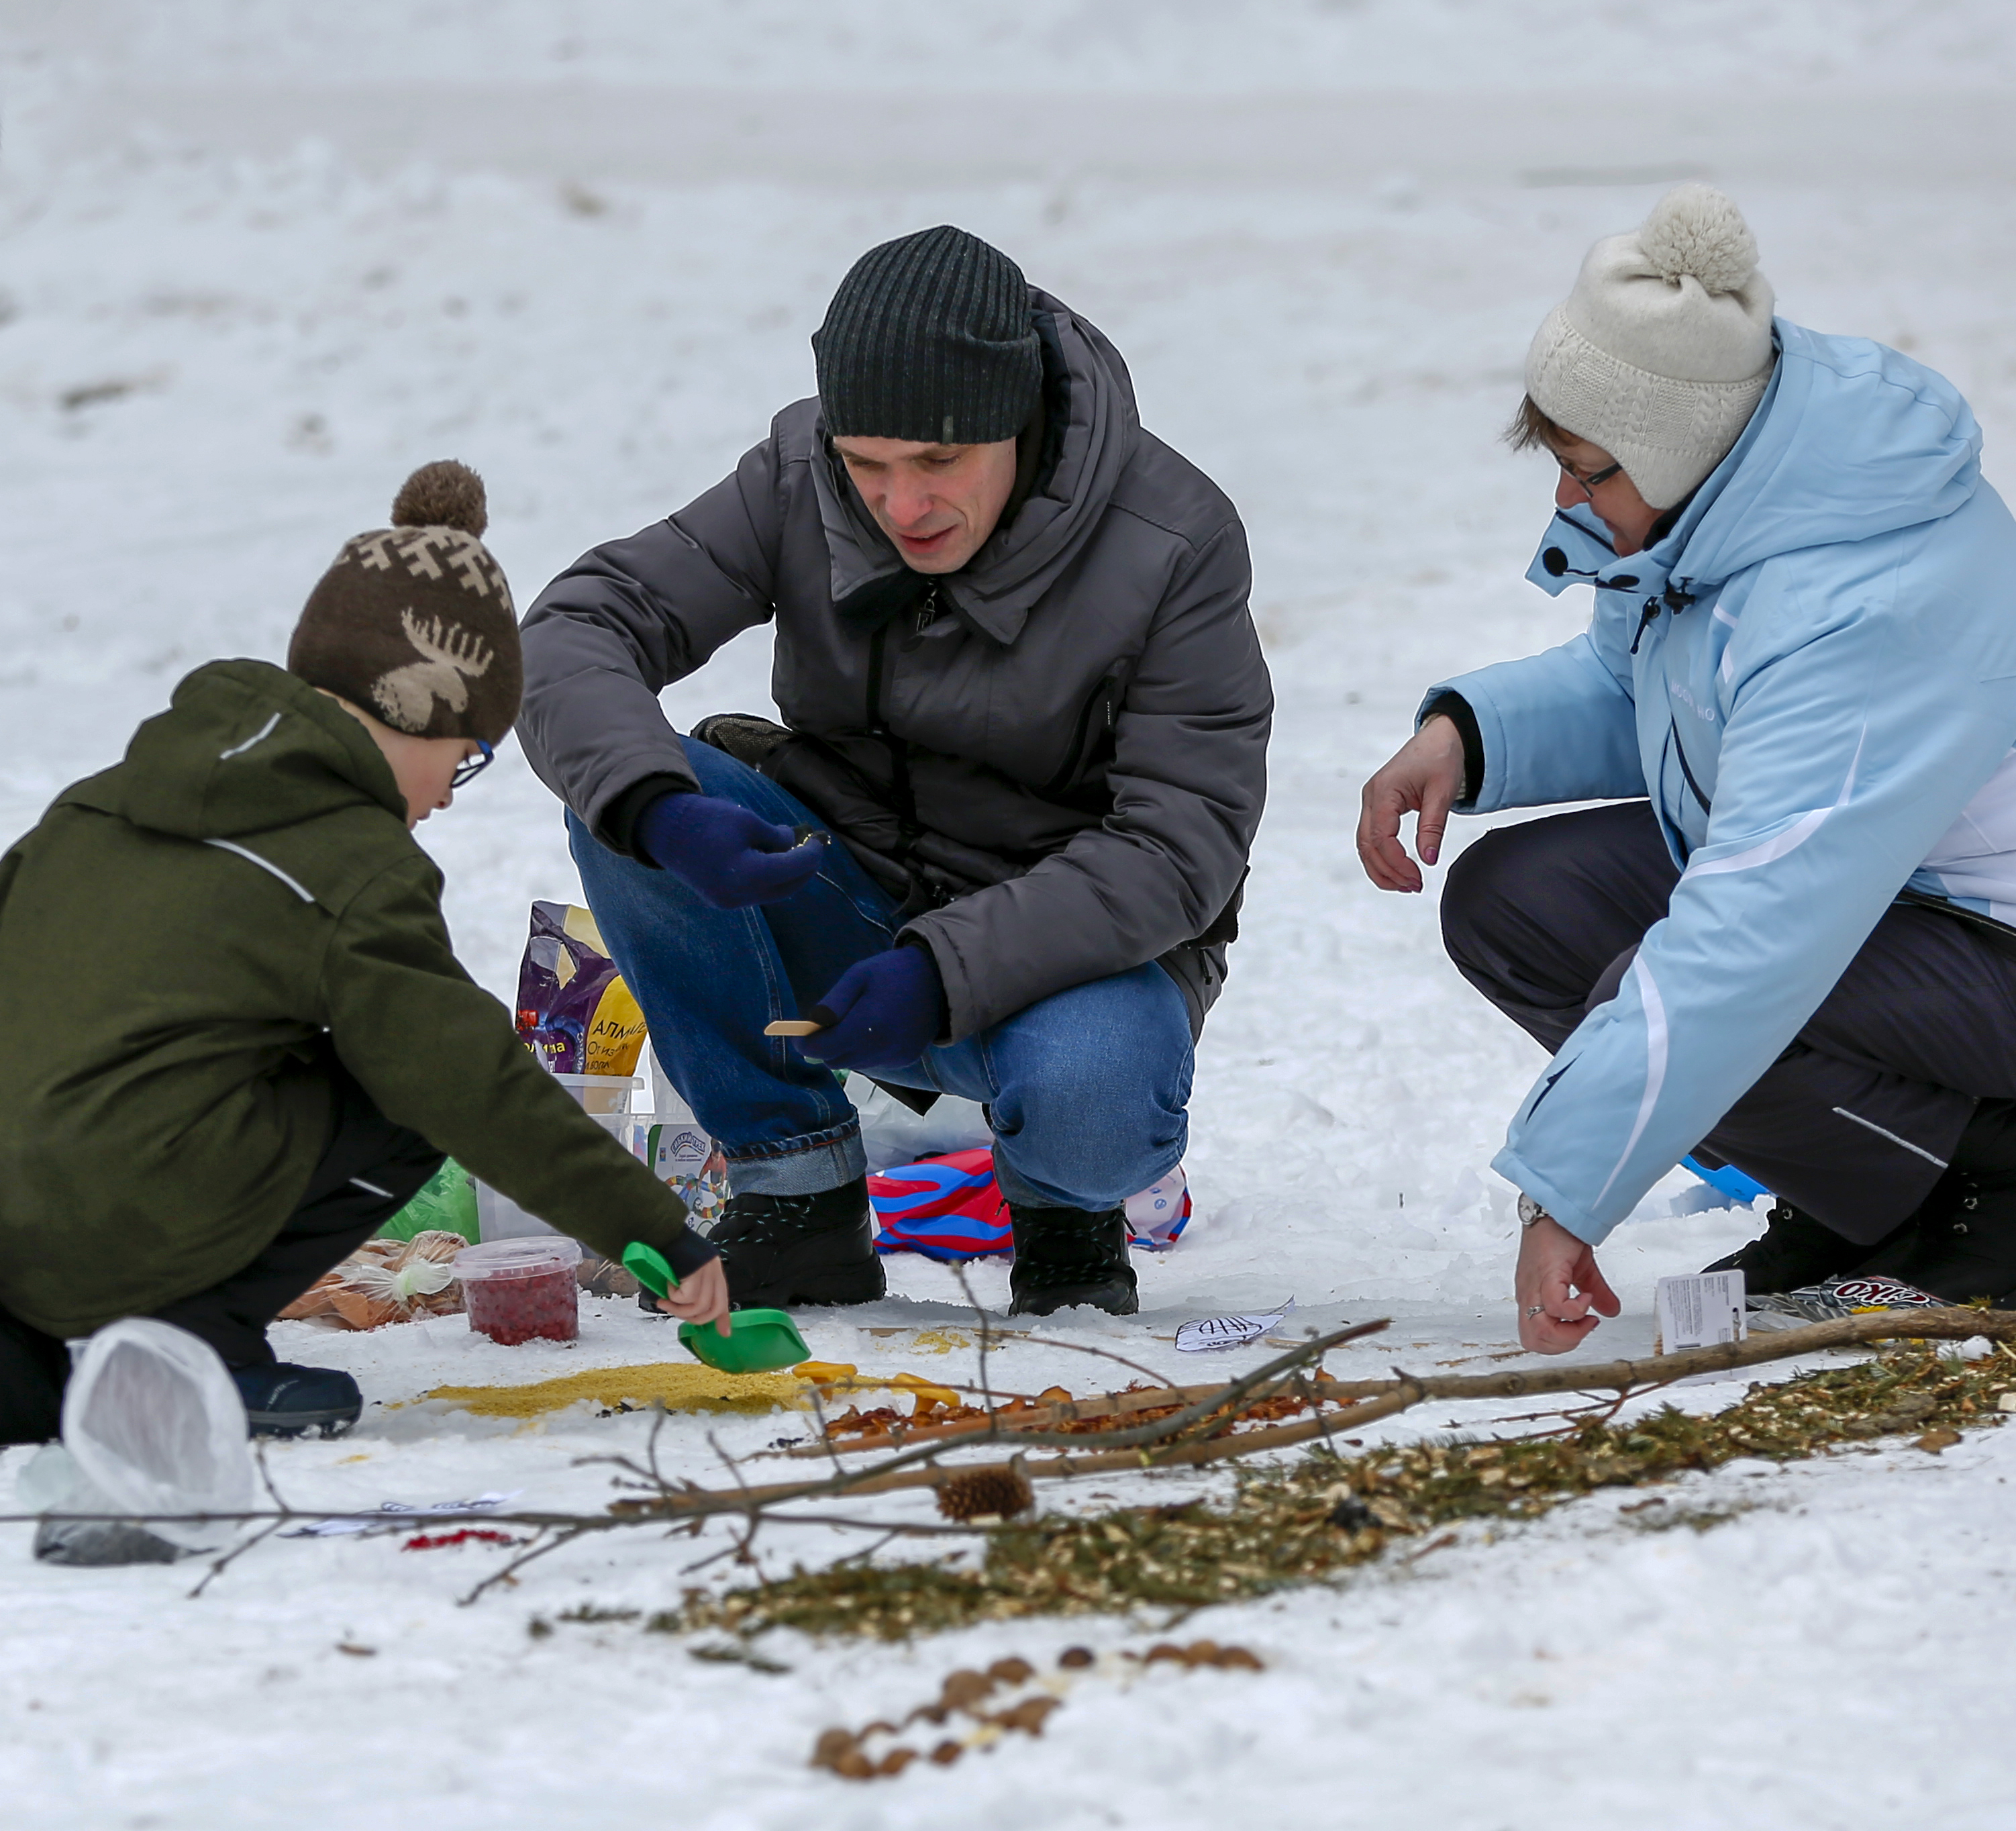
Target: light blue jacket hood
pixel 1813 676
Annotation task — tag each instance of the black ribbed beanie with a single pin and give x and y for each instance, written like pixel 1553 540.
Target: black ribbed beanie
pixel 930 337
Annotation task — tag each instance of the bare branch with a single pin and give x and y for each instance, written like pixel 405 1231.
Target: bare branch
pixel 986 1340
pixel 509 1573
pixel 232 1557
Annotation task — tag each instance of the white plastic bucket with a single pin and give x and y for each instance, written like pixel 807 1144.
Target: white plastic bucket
pixel 607 1100
pixel 602 1097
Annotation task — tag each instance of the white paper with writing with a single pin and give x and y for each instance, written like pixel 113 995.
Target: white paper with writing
pixel 1208 1334
pixel 397 1516
pixel 1698 1311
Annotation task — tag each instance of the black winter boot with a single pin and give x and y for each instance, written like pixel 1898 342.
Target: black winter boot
pixel 1794 1250
pixel 283 1400
pixel 1961 1243
pixel 1066 1256
pixel 782 1251
pixel 1967 1248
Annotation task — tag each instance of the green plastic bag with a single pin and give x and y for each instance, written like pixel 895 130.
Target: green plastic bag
pixel 447 1201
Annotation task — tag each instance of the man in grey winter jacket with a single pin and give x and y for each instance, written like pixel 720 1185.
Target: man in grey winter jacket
pixel 995 847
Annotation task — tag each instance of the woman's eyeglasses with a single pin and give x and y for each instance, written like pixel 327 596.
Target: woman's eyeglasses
pixel 1589 484
pixel 467 770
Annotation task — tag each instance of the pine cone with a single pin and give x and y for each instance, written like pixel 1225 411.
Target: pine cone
pixel 973 1493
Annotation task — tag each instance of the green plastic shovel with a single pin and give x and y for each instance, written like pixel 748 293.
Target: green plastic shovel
pixel 762 1340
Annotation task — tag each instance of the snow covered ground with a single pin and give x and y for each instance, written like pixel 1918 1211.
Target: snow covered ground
pixel 259 260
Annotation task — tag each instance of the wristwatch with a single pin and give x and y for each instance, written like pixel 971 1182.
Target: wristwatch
pixel 1531 1211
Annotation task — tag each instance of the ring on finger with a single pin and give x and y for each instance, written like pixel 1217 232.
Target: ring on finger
pixel 1533 1310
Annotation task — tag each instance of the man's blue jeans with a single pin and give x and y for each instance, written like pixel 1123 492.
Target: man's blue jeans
pixel 1087 1089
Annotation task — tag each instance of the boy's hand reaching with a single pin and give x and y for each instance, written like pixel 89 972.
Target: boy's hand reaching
pixel 700 1296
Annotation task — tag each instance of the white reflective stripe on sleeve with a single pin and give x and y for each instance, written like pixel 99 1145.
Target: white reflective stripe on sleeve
pixel 1655 1065
pixel 258 736
pixel 1775 847
pixel 357 1182
pixel 1789 840
pixel 264 865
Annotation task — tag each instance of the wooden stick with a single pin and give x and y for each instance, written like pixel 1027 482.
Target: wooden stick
pixel 793 1026
pixel 1037 1417
pixel 1531 1382
pixel 1381 1399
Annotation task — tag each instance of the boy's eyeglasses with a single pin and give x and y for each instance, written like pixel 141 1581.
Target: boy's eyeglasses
pixel 467 770
pixel 1596 479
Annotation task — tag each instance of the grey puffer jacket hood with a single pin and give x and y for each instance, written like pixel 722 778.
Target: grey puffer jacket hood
pixel 1054 758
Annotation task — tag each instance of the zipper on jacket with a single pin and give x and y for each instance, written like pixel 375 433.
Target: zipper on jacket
pixel 1675 599
pixel 1099 701
pixel 877 645
pixel 1680 752
pixel 899 751
pixel 927 610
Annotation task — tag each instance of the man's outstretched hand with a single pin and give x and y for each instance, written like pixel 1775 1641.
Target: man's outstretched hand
pixel 883 1011
pixel 729 856
pixel 1557 1285
pixel 1425 776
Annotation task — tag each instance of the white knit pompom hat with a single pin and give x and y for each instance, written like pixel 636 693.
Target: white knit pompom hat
pixel 1661 353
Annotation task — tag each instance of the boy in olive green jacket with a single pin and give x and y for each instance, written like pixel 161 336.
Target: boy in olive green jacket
pixel 243 1040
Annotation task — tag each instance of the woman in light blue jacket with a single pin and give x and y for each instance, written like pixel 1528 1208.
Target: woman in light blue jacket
pixel 1797 955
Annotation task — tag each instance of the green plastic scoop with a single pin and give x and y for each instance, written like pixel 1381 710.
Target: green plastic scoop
pixel 762 1340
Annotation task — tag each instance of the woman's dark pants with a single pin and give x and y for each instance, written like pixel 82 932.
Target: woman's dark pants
pixel 1857 1118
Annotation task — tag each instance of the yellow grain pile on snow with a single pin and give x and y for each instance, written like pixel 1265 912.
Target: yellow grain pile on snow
pixel 678 1386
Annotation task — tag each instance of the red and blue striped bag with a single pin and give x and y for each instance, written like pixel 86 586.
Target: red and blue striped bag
pixel 951 1208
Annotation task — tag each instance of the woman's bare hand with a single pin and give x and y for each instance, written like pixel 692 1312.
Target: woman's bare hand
pixel 1557 1285
pixel 1424 777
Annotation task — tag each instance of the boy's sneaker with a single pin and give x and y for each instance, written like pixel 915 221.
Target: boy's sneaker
pixel 780 1252
pixel 282 1400
pixel 99 1542
pixel 1065 1256
pixel 1794 1250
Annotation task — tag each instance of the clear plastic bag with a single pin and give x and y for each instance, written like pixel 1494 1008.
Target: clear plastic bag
pixel 892 1133
pixel 154 1422
pixel 385 1281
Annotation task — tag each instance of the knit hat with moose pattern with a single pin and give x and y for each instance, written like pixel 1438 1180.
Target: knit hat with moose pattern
pixel 414 623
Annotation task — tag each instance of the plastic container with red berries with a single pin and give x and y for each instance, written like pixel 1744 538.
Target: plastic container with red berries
pixel 522 1290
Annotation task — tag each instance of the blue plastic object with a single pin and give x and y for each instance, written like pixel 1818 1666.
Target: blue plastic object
pixel 1732 1182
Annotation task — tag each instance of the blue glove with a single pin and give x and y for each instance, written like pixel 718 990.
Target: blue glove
pixel 885 1012
pixel 730 857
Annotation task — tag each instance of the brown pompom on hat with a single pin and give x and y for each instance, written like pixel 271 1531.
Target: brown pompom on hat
pixel 414 623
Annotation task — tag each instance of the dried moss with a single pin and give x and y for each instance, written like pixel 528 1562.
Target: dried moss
pixel 1314 1520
